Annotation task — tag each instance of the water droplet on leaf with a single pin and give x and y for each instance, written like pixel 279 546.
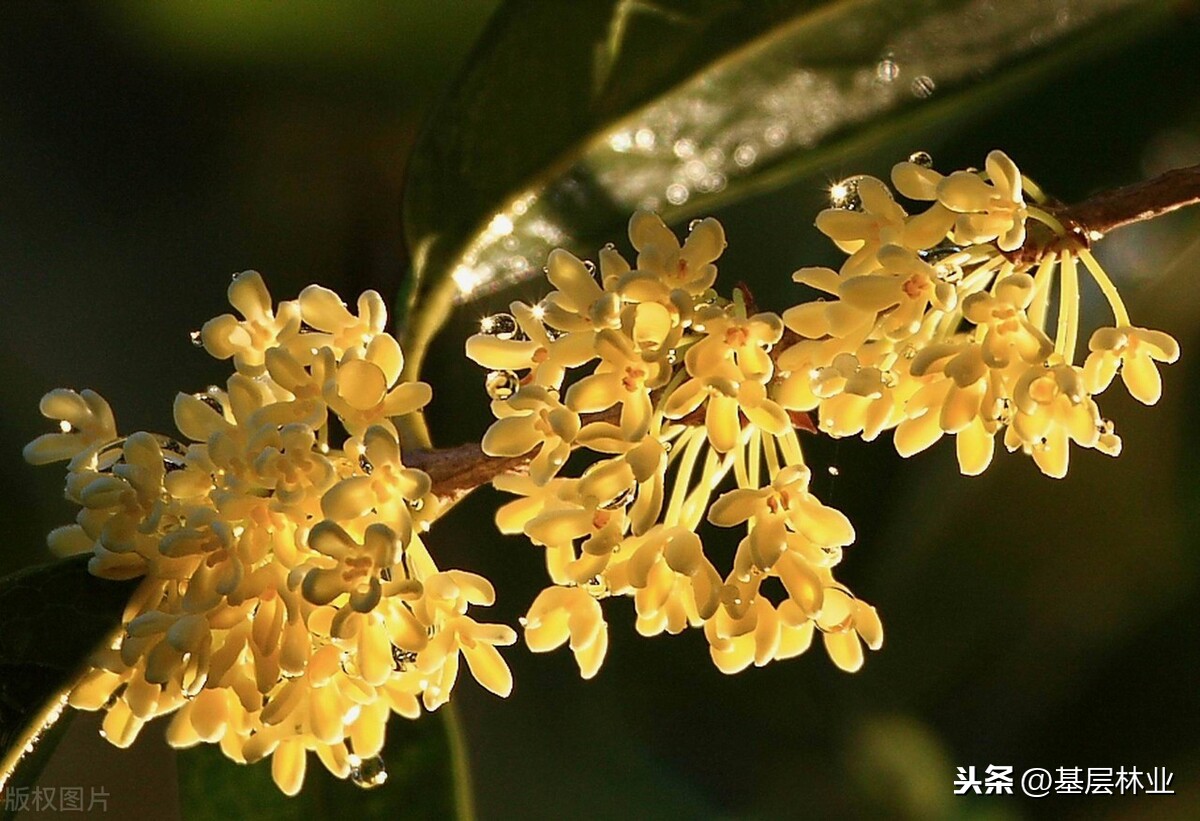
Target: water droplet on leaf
pixel 887 70
pixel 923 87
pixel 745 155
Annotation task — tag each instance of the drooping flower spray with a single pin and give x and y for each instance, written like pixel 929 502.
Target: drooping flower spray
pixel 290 600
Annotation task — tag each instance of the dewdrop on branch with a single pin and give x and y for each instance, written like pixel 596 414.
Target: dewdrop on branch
pixel 289 600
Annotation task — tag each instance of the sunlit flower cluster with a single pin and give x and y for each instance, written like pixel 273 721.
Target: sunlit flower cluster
pixel 937 324
pixel 670 388
pixel 288 603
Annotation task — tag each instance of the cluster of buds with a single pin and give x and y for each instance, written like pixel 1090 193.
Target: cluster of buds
pixel 288 602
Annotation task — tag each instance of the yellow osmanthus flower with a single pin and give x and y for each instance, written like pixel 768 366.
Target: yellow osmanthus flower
pixel 671 389
pixel 935 326
pixel 288 602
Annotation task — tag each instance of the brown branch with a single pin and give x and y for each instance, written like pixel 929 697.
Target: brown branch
pixel 457 471
pixel 1107 211
pixel 1141 201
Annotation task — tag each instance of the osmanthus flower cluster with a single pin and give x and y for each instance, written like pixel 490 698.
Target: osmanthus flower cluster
pixel 671 388
pixel 937 323
pixel 288 603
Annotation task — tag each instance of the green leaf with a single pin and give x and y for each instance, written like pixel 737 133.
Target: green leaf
pixel 421 782
pixel 51 618
pixel 565 121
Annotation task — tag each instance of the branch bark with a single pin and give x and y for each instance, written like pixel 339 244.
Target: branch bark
pixel 1141 201
pixel 1092 219
pixel 456 471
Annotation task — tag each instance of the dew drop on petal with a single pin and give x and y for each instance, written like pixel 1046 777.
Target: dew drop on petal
pixel 501 326
pixel 501 384
pixel 211 401
pixel 364 464
pixel 596 587
pixel 369 773
pixel 621 499
pixel 844 194
pixel 921 158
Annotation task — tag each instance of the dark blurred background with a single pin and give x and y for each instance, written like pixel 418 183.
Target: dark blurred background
pixel 148 151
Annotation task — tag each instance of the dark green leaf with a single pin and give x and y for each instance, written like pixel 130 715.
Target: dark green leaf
pixel 51 618
pixel 566 120
pixel 420 782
